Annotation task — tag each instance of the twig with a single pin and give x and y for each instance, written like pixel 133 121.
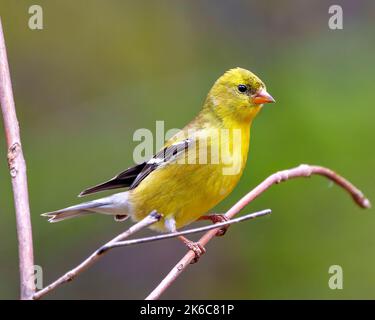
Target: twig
pixel 17 168
pixel 303 170
pixel 116 242
pixel 70 275
pixel 189 231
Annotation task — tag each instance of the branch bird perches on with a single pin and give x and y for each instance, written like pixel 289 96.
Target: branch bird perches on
pixel 152 218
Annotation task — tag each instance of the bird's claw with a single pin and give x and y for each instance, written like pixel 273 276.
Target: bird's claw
pixel 198 250
pixel 217 218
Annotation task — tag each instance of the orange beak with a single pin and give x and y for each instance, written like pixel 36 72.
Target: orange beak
pixel 262 96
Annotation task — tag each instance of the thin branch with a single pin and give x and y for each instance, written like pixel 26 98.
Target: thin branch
pixel 185 232
pixel 152 218
pixel 303 170
pixel 17 168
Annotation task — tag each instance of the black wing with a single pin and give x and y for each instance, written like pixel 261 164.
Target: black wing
pixel 122 180
pixel 133 176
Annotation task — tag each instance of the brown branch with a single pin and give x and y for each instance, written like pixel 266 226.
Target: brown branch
pixel 300 171
pixel 17 168
pixel 70 275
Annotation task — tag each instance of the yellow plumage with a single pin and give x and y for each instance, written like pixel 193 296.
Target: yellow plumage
pixel 184 185
pixel 185 192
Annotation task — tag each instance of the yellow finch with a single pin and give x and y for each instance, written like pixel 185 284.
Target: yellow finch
pixel 195 170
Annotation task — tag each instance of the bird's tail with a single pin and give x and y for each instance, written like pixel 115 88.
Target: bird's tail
pixel 116 205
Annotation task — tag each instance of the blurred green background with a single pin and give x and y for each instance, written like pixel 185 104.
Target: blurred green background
pixel 100 70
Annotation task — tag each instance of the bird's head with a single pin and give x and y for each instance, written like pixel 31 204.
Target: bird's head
pixel 238 95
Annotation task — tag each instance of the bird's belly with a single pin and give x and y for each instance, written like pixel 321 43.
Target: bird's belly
pixel 173 192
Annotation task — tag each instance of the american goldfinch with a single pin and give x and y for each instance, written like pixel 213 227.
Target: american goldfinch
pixel 178 182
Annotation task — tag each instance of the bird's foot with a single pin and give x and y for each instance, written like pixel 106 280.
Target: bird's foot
pixel 217 218
pixel 196 247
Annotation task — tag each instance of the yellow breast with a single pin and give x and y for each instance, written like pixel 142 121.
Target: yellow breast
pixel 191 187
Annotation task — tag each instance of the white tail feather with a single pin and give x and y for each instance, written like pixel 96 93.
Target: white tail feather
pixel 116 204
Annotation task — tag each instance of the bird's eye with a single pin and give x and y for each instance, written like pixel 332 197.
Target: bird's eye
pixel 242 88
